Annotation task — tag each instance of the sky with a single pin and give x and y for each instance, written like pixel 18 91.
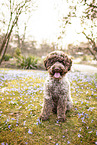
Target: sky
pixel 45 24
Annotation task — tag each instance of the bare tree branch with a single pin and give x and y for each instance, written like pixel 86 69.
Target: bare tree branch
pixel 12 23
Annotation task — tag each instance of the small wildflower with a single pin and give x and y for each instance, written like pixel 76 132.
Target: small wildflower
pixel 68 142
pixel 86 92
pixel 63 136
pixel 24 123
pixel 81 102
pixel 90 131
pixel 83 121
pixel 79 135
pixel 2 143
pixel 80 129
pixel 9 126
pixel 39 121
pixel 29 131
pixel 57 121
pixel 96 143
pixel 75 108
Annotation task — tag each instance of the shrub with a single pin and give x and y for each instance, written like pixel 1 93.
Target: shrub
pixel 7 57
pixel 29 62
pixel 17 53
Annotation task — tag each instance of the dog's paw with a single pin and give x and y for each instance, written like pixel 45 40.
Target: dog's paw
pixel 43 118
pixel 61 119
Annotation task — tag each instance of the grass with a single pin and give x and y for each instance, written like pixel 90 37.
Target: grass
pixel 21 98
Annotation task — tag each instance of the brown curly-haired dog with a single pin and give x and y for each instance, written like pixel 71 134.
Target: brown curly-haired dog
pixel 57 97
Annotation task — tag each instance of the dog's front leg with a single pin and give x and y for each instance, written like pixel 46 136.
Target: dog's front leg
pixel 61 109
pixel 46 110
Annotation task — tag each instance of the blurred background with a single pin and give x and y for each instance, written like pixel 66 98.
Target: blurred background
pixel 29 29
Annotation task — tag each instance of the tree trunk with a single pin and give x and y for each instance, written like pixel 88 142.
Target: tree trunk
pixel 92 53
pixel 5 48
pixel 93 44
pixel 5 43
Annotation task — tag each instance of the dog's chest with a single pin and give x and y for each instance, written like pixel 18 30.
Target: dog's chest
pixel 57 88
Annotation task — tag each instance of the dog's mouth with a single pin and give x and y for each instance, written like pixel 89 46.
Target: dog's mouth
pixel 57 71
pixel 57 75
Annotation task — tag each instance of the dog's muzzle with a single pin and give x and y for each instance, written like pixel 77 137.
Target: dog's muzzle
pixel 57 70
pixel 57 73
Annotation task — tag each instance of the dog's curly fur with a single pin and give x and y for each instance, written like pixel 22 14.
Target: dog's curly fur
pixel 57 96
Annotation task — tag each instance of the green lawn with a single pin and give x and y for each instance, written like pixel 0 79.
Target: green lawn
pixel 21 98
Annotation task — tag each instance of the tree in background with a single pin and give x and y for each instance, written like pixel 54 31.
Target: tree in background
pixel 91 17
pixel 16 8
pixel 86 12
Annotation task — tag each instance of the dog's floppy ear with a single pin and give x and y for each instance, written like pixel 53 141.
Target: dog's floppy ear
pixel 68 64
pixel 48 62
pixel 45 64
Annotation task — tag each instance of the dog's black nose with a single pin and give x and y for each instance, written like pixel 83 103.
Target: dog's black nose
pixel 57 69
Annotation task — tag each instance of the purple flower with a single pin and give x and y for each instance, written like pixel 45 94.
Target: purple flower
pixel 29 131
pixel 81 102
pixel 90 131
pixel 2 143
pixel 68 142
pixel 83 121
pixel 39 121
pixel 63 136
pixel 86 92
pixel 24 123
pixel 75 108
pixel 57 121
pixel 96 143
pixel 9 126
pixel 80 129
pixel 79 135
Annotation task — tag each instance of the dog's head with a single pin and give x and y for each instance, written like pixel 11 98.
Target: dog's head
pixel 58 64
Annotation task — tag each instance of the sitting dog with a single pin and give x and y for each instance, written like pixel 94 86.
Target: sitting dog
pixel 57 97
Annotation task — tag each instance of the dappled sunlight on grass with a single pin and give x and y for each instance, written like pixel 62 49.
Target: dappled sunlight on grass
pixel 21 99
